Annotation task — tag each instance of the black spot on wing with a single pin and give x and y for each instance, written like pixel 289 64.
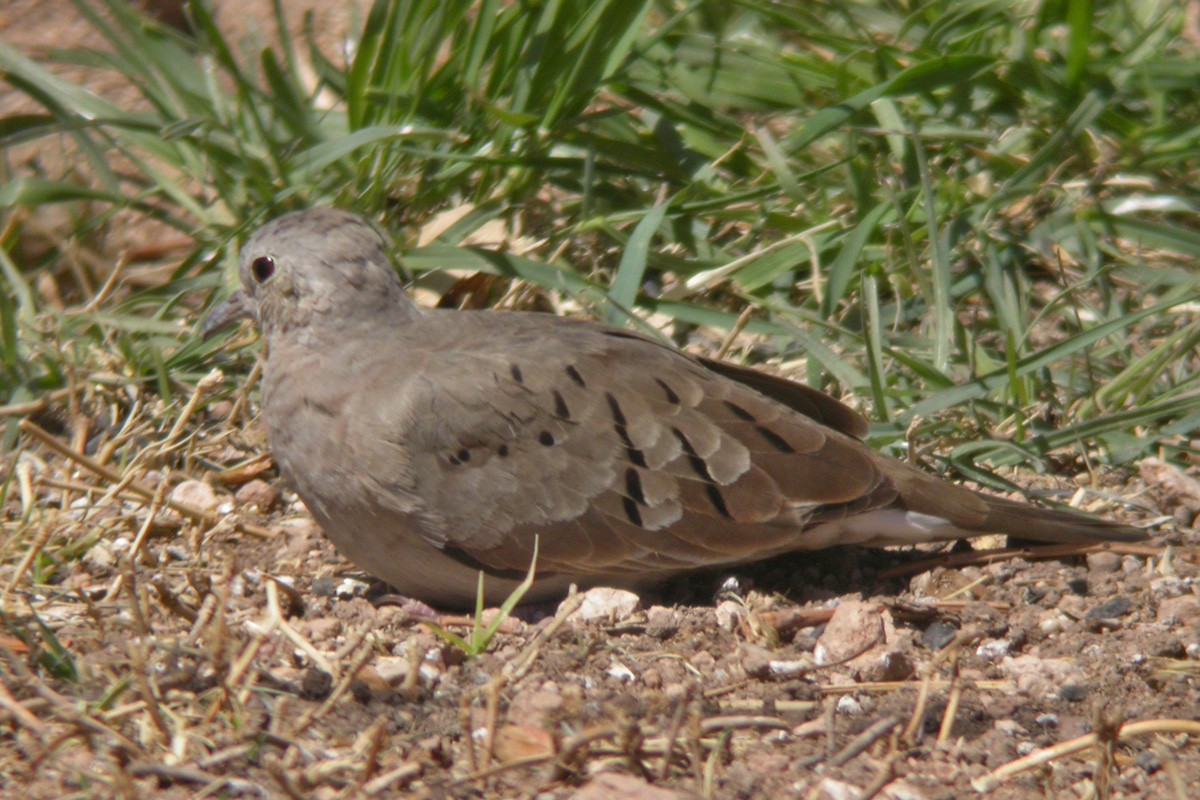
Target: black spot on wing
pixel 718 500
pixel 701 469
pixel 696 462
pixel 615 407
pixel 633 485
pixel 466 559
pixel 774 439
pixel 560 405
pixel 631 511
pixel 739 412
pixel 574 375
pixel 619 425
pixel 672 397
pixel 516 373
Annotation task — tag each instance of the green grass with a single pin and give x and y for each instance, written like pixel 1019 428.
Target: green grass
pixel 980 216
pixel 481 635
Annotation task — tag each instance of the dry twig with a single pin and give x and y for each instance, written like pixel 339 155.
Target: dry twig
pixel 145 492
pixel 1037 758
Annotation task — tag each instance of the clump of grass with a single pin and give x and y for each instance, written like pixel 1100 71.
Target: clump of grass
pixel 973 219
pixel 480 638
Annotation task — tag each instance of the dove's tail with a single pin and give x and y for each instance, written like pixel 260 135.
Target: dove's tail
pixel 1037 524
pixel 928 509
pixel 951 512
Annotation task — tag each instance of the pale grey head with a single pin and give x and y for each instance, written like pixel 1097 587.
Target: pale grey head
pixel 322 267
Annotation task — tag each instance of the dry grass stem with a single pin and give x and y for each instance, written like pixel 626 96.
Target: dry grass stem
pixel 517 668
pixel 1128 731
pixel 35 548
pixel 19 712
pixel 1049 551
pixel 30 407
pixel 859 744
pixel 682 704
pixel 952 701
pixel 197 514
pixel 739 325
pixel 366 650
pixel 883 776
pixel 391 779
pixel 713 725
pixel 205 386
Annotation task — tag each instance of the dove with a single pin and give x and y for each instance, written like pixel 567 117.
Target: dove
pixel 430 445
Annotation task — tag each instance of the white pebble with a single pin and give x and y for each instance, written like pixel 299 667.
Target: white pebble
pixel 621 672
pixel 994 649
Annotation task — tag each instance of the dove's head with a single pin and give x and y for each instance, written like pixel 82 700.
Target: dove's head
pixel 316 270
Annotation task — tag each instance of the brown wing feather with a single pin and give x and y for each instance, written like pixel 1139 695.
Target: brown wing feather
pixel 628 457
pixel 622 454
pixel 796 396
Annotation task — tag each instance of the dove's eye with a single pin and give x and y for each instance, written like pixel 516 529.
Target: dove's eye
pixel 263 268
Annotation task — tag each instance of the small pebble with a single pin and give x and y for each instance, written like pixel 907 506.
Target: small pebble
pixel 99 557
pixel 316 684
pixel 1103 562
pixel 1148 761
pixel 176 553
pixel 1054 622
pixel 197 494
pixel 851 706
pixel 1182 610
pixel 620 672
pixel 780 669
pixel 324 586
pixel 1010 727
pixel 994 649
pixel 831 789
pixel 349 587
pixel 1113 608
pixel 1163 588
pixel 606 605
pixel 260 494
pixel 939 634
pixel 1073 693
pixel 729 613
pixel 661 622
pixel 1034 594
pixel 731 588
pixel 1073 606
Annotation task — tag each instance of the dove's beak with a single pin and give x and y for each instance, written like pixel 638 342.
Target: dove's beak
pixel 234 308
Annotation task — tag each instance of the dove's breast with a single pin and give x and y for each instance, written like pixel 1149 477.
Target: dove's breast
pixel 336 423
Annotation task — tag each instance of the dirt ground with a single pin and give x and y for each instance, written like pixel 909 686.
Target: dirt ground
pixel 201 659
pixel 229 651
